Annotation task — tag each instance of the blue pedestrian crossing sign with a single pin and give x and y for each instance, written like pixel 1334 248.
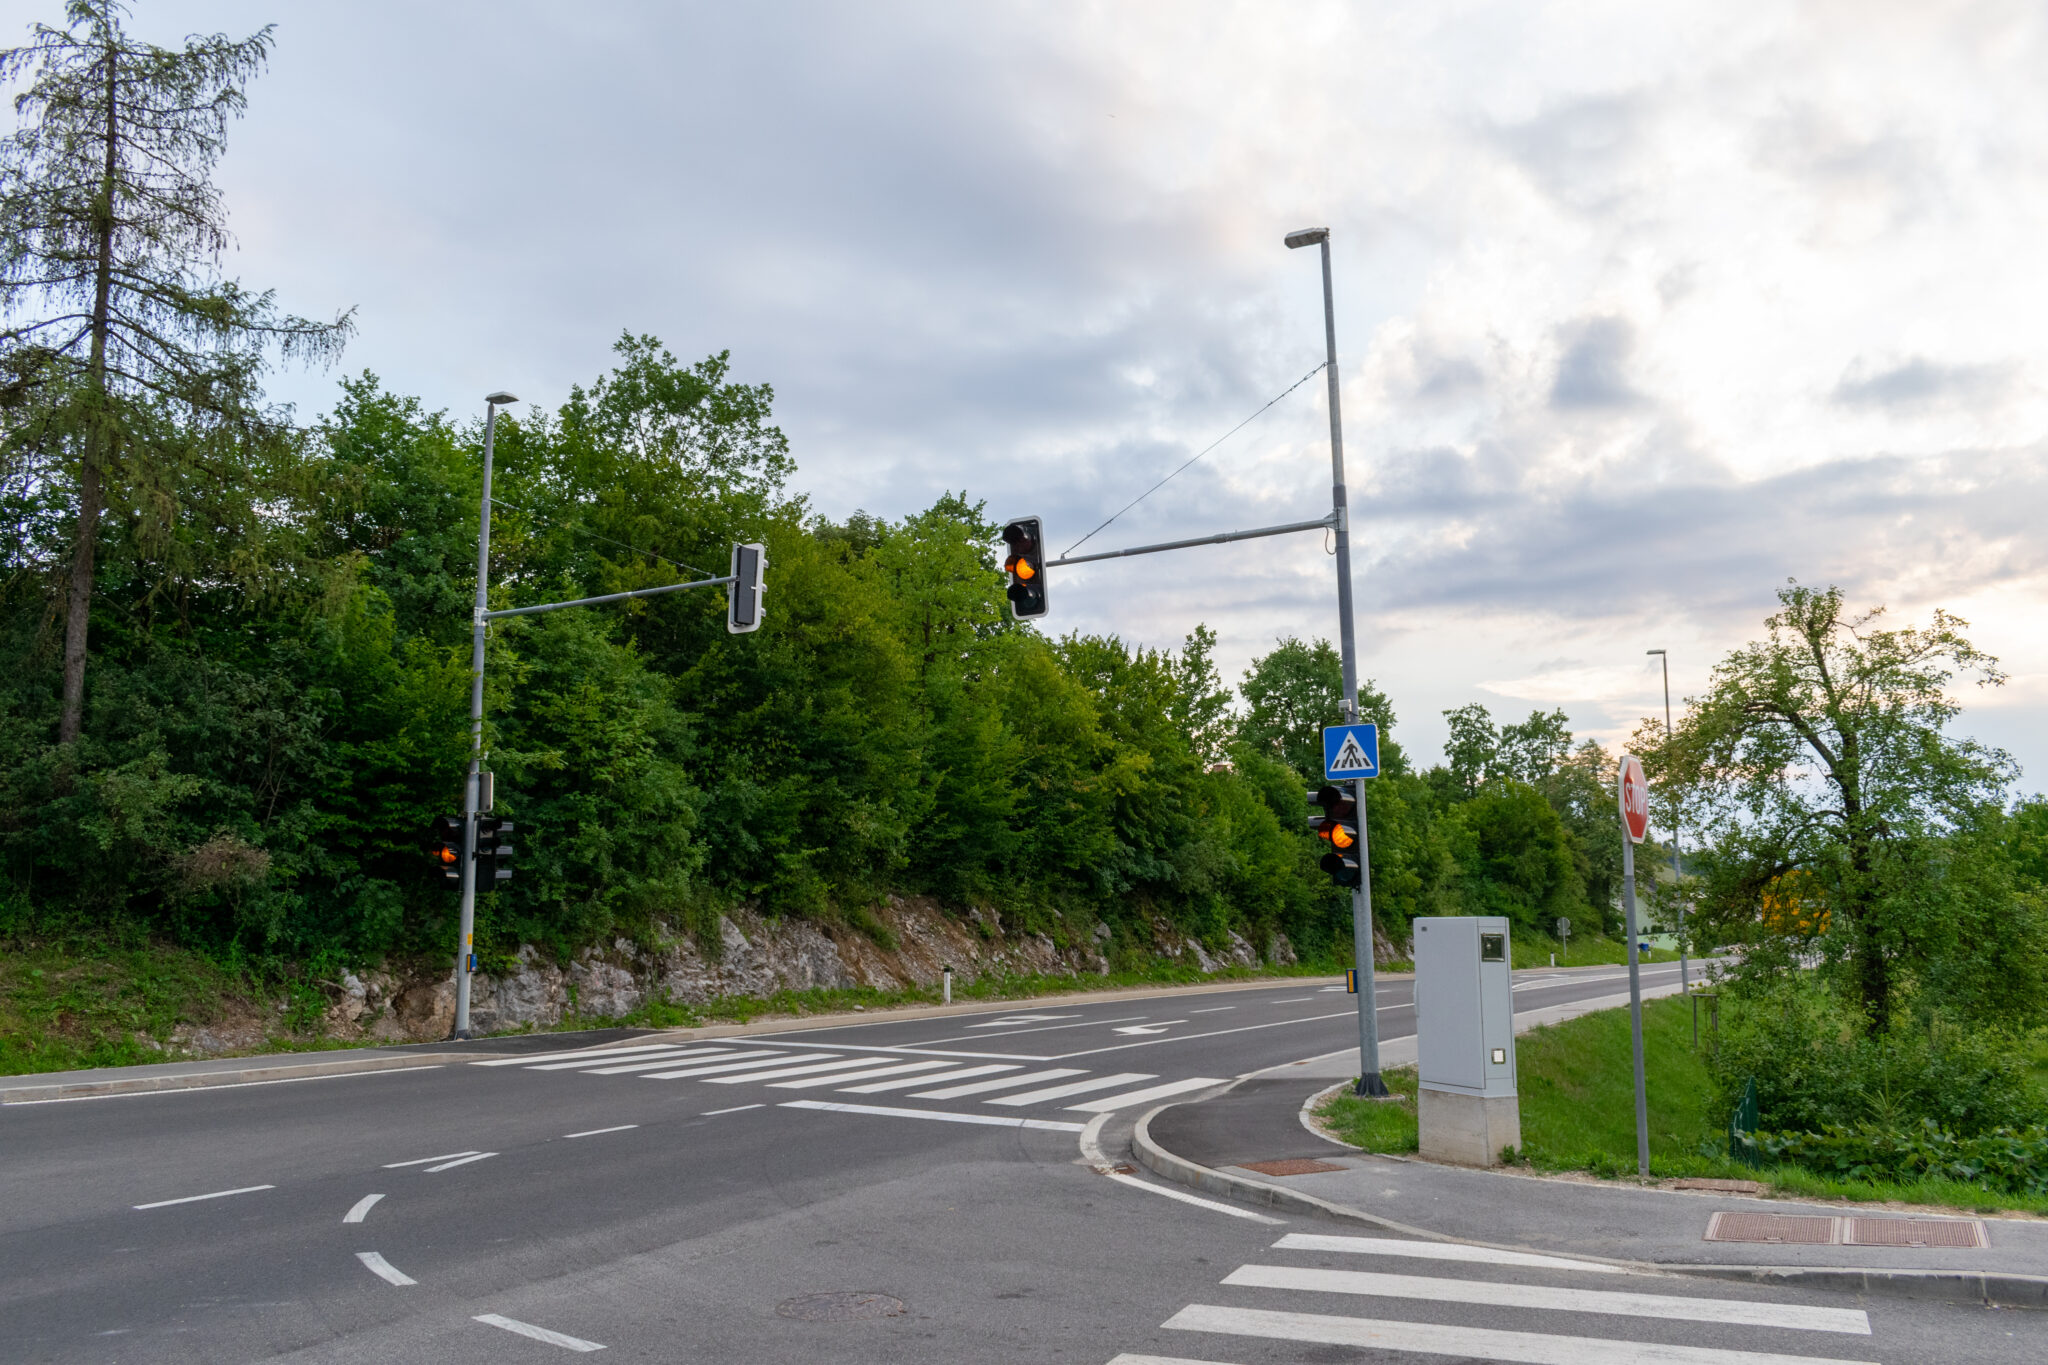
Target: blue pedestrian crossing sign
pixel 1351 751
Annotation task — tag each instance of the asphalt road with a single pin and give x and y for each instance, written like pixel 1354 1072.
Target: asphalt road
pixel 530 1207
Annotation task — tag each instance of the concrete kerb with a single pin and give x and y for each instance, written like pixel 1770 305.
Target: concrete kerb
pixel 1946 1286
pixel 31 1093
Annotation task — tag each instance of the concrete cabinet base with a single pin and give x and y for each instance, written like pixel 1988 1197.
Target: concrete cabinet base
pixel 1467 1129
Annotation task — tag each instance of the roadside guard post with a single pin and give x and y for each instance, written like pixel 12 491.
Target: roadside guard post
pixel 1467 1107
pixel 1634 794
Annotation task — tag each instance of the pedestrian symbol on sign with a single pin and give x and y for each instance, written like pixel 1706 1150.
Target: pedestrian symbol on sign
pixel 1351 751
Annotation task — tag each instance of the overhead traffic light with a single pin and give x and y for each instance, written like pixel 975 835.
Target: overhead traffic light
pixel 1337 827
pixel 1025 564
pixel 493 849
pixel 445 846
pixel 743 594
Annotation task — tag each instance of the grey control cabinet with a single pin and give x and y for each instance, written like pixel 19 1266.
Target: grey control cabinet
pixel 1465 1038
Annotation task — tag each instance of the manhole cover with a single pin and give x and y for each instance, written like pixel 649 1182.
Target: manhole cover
pixel 1915 1232
pixel 1296 1167
pixel 1793 1229
pixel 846 1306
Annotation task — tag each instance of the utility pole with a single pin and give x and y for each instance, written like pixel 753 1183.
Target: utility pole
pixel 465 960
pixel 1369 1082
pixel 1684 973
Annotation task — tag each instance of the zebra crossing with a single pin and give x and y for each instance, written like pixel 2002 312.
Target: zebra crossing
pixel 1003 1085
pixel 1304 1291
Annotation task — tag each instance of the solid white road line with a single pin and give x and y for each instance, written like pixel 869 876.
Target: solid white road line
pixel 988 1120
pixel 777 1073
pixel 1060 1092
pixel 361 1209
pixel 962 1074
pixel 424 1160
pixel 383 1269
pixel 530 1058
pixel 954 1092
pixel 244 1085
pixel 736 1109
pixel 1482 1343
pixel 1738 1312
pixel 672 1054
pixel 593 1132
pixel 752 1063
pixel 195 1198
pixel 1439 1251
pixel 527 1329
pixel 1128 1359
pixel 460 1161
pixel 1157 1092
pixel 873 1071
pixel 1182 1196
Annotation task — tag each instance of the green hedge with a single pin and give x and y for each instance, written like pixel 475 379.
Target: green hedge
pixel 2006 1160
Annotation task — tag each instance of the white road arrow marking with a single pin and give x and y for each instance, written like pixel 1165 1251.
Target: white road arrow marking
pixel 1149 1028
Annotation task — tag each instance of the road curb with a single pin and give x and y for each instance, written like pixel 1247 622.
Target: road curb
pixel 1944 1286
pixel 200 1080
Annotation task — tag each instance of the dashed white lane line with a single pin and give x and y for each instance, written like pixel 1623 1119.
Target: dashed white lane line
pixel 914 1081
pixel 527 1329
pixel 1181 1196
pixel 738 1108
pixel 988 1120
pixel 1294 1000
pixel 361 1209
pixel 1737 1312
pixel 1482 1343
pixel 1157 1092
pixel 1213 1009
pixel 1060 1092
pixel 593 1132
pixel 460 1161
pixel 195 1198
pixel 424 1160
pixel 900 1068
pixel 383 1269
pixel 1440 1251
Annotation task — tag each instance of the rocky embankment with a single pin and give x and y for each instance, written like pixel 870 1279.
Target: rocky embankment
pixel 754 957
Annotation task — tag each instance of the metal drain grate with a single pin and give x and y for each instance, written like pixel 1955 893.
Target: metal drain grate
pixel 1300 1166
pixel 855 1306
pixel 1915 1232
pixel 1790 1229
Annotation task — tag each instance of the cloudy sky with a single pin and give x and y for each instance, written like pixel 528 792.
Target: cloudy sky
pixel 1641 309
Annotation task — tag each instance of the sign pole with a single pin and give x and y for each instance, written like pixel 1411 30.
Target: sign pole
pixel 1635 823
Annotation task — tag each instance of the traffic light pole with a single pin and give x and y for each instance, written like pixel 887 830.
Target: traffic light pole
pixel 466 944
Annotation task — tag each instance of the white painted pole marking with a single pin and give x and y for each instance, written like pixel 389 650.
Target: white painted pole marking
pixel 383 1269
pixel 195 1198
pixel 1740 1312
pixel 421 1161
pixel 593 1132
pixel 777 1073
pixel 873 1071
pixel 1157 1092
pixel 1060 1092
pixel 738 1108
pixel 715 1068
pixel 1439 1251
pixel 361 1209
pixel 1186 1198
pixel 460 1161
pixel 954 1092
pixel 990 1120
pixel 962 1074
pixel 527 1329
pixel 1482 1343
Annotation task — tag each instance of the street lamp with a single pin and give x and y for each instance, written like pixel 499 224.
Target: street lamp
pixel 1684 975
pixel 465 958
pixel 1369 1082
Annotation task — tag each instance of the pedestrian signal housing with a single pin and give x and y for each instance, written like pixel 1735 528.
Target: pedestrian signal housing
pixel 743 594
pixel 1337 827
pixel 444 846
pixel 1025 564
pixel 493 848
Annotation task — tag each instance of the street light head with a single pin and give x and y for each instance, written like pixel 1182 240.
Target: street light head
pixel 1307 237
pixel 500 399
pixel 1653 651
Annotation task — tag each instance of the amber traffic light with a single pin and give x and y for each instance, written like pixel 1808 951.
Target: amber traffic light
pixel 445 846
pixel 1025 564
pixel 1337 827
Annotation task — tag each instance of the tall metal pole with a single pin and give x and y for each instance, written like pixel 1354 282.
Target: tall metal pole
pixel 1635 1004
pixel 1369 1082
pixel 1677 891
pixel 466 947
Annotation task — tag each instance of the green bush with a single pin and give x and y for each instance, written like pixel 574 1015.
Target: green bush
pixel 2004 1160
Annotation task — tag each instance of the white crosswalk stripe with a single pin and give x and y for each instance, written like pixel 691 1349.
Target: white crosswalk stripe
pixel 1060 1092
pixel 897 1069
pixel 754 1063
pixel 962 1074
pixel 1157 1092
pixel 777 1072
pixel 954 1092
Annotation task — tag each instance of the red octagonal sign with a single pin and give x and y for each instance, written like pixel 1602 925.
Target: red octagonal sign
pixel 1635 798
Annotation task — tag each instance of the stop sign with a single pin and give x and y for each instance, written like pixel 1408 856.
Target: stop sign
pixel 1635 798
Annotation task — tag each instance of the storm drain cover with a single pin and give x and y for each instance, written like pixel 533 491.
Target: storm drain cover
pixel 1791 1229
pixel 1297 1167
pixel 855 1305
pixel 1915 1232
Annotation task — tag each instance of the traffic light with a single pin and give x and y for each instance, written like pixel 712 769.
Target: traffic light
pixel 1025 565
pixel 1337 827
pixel 743 594
pixel 445 847
pixel 493 849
